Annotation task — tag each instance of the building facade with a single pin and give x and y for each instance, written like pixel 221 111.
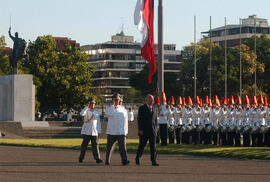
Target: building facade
pixel 7 50
pixel 115 61
pixel 233 35
pixel 62 41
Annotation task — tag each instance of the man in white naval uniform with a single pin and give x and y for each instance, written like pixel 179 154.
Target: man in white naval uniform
pixel 223 123
pixel 117 129
pixel 90 130
pixel 230 120
pixel 171 122
pixel 252 121
pixel 245 122
pixel 130 115
pixel 196 116
pixel 205 135
pixel 163 121
pixel 260 119
pixel 178 122
pixel 214 117
pixel 237 124
pixel 187 119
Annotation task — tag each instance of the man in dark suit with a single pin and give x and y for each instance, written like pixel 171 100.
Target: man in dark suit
pixel 147 126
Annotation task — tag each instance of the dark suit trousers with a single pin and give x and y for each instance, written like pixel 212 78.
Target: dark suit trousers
pixel 143 141
pixel 94 143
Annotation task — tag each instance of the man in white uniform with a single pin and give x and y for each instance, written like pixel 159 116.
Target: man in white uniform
pixel 214 117
pixel 90 130
pixel 130 115
pixel 245 122
pixel 178 120
pixel 117 129
pixel 205 134
pixel 171 121
pixel 223 123
pixel 163 120
pixel 196 116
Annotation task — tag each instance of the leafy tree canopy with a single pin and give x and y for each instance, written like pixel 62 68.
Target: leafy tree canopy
pixel 218 70
pixel 64 78
pixel 4 64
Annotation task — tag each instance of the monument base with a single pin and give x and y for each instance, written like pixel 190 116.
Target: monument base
pixel 11 129
pixel 34 124
pixel 17 98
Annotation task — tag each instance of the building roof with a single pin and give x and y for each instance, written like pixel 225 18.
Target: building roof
pixel 247 22
pixel 228 27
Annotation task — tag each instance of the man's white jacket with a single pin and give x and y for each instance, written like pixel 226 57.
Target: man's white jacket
pixel 117 120
pixel 163 114
pixel 92 127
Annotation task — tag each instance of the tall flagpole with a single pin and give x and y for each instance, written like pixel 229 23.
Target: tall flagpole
pixel 210 79
pixel 255 64
pixel 240 57
pixel 225 57
pixel 160 49
pixel 195 55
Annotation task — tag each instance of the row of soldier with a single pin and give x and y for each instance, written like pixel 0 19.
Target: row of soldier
pixel 214 122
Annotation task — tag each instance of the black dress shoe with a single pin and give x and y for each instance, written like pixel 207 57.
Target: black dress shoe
pixel 80 160
pixel 99 161
pixel 125 163
pixel 137 160
pixel 107 163
pixel 155 164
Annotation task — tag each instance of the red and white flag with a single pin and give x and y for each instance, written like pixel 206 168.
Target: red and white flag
pixel 144 20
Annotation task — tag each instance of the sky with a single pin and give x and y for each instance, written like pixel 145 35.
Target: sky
pixel 95 21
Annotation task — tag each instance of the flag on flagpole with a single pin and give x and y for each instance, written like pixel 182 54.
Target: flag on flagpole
pixel 144 20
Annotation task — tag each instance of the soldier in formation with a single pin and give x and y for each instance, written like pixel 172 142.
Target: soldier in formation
pixel 226 122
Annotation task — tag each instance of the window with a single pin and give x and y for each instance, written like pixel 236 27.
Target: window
pixel 121 65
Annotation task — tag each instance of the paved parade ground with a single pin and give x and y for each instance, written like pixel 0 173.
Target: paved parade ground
pixel 44 164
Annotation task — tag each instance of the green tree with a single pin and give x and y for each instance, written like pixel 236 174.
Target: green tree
pixel 4 64
pixel 139 81
pixel 64 77
pixel 218 70
pixel 133 96
pixel 263 62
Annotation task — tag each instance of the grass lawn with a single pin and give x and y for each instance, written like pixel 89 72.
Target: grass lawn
pixel 132 144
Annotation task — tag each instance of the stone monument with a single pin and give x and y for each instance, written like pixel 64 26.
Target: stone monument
pixel 17 98
pixel 18 51
pixel 17 92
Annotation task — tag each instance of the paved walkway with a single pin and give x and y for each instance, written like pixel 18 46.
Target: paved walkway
pixel 38 164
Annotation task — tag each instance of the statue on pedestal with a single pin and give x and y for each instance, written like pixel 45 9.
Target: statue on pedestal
pixel 18 53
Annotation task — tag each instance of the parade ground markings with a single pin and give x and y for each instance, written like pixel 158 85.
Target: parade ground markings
pixel 262 153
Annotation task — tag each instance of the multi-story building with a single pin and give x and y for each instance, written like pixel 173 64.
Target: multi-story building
pixel 62 41
pixel 233 35
pixel 118 59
